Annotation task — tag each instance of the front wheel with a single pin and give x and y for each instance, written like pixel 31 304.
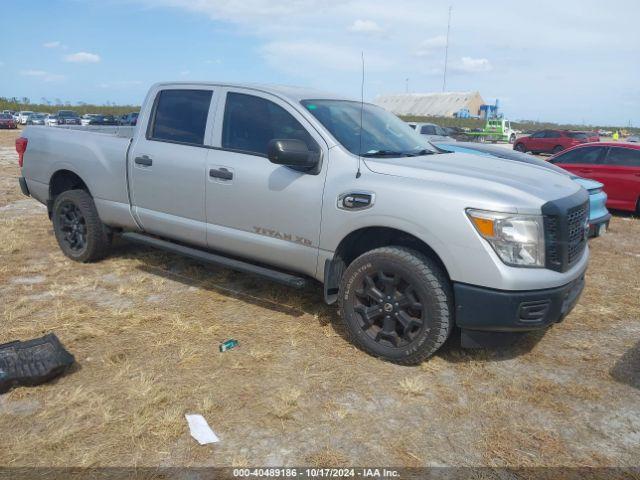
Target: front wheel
pixel 79 231
pixel 521 148
pixel 396 303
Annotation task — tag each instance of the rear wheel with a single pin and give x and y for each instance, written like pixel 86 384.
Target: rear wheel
pixel 521 148
pixel 77 227
pixel 557 149
pixel 396 304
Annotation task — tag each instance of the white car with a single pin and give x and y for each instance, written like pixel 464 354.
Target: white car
pixel 23 115
pixel 433 132
pixel 51 120
pixel 86 118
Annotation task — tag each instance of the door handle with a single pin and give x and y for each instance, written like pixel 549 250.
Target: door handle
pixel 143 160
pixel 221 173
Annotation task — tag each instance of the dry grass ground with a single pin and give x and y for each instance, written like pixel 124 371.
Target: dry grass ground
pixel 144 327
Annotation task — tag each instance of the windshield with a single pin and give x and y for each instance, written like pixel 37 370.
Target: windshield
pixel 383 134
pixel 66 113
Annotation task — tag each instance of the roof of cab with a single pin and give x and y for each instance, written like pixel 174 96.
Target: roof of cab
pixel 293 94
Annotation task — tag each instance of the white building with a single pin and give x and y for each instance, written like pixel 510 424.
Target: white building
pixel 444 104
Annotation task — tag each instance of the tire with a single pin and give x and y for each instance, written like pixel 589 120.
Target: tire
pixel 557 149
pixel 80 233
pixel 520 147
pixel 396 304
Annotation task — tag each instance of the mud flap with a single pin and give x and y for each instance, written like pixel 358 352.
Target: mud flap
pixel 32 362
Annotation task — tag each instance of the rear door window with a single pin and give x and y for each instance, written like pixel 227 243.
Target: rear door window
pixel 578 135
pixel 623 157
pixel 251 122
pixel 181 116
pixel 588 155
pixel 428 130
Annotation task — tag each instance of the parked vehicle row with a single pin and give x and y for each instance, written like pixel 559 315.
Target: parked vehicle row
pixel 65 117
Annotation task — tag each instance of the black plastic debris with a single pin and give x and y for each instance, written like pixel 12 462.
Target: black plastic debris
pixel 32 362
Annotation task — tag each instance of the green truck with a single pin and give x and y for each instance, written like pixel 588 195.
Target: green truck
pixel 495 130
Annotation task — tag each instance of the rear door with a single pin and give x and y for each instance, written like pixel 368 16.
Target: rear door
pixel 167 163
pixel 536 142
pixel 620 174
pixel 551 140
pixel 256 209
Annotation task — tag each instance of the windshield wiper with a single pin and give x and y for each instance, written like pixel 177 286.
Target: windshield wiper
pixel 383 153
pixel 394 153
pixel 417 153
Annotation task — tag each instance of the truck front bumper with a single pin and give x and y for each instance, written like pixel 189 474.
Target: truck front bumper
pixel 487 310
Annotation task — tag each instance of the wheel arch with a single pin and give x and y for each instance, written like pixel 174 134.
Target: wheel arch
pixel 364 239
pixel 61 181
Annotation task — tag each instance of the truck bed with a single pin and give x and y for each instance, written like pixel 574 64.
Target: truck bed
pixel 98 155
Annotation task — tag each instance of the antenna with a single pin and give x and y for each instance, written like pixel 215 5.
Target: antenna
pixel 446 53
pixel 358 173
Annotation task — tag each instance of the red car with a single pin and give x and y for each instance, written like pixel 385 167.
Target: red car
pixel 7 121
pixel 549 141
pixel 614 164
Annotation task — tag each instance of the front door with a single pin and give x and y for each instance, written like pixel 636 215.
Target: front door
pixel 256 209
pixel 620 174
pixel 582 161
pixel 167 165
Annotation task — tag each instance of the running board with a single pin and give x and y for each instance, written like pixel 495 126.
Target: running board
pixel 203 256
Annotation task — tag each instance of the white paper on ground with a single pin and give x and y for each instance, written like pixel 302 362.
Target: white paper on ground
pixel 200 429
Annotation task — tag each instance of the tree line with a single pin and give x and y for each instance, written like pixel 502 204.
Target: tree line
pixel 53 105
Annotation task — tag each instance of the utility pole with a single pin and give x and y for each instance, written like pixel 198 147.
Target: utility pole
pixel 446 52
pixel 406 85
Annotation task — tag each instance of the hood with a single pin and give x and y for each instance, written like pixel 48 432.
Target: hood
pixel 487 173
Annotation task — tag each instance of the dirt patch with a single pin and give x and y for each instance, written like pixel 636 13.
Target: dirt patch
pixel 145 327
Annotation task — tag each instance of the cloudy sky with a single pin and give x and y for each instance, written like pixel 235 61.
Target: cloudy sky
pixel 565 61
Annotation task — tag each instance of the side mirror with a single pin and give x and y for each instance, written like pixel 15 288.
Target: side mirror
pixel 292 153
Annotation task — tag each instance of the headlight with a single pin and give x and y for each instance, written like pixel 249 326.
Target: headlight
pixel 517 239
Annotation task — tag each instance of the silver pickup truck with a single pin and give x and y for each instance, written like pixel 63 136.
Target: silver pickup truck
pixel 294 184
